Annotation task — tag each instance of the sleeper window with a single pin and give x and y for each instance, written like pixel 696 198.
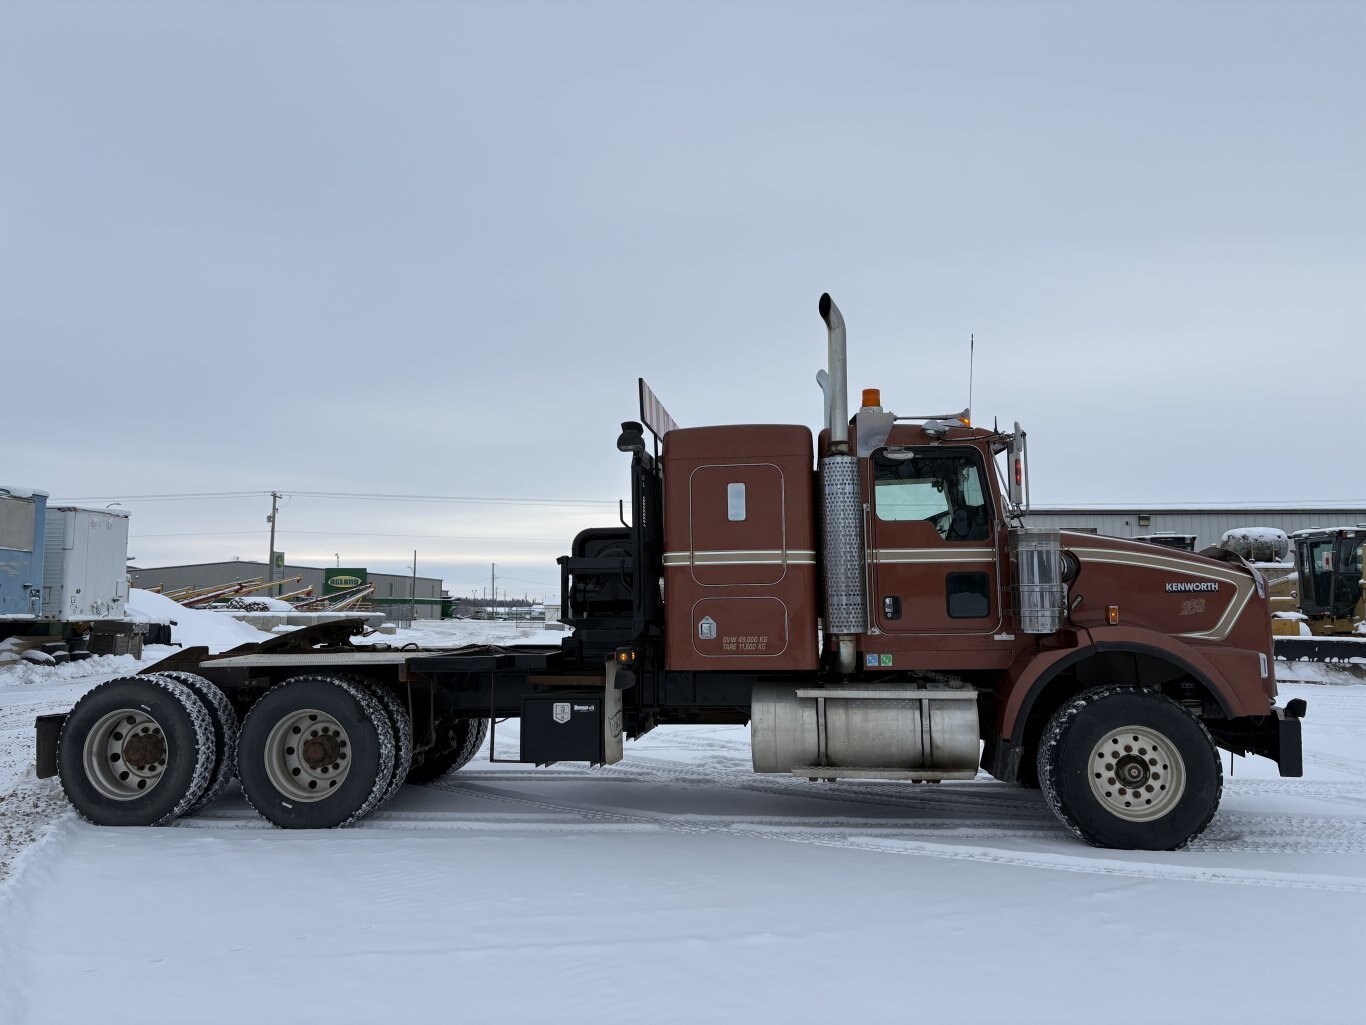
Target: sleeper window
pixel 735 502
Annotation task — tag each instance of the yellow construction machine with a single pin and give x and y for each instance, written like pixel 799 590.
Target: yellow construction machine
pixel 1332 597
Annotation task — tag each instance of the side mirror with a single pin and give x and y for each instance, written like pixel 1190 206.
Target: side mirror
pixel 632 437
pixel 1018 453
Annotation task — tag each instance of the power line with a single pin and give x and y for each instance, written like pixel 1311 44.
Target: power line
pixel 350 495
pixel 377 497
pixel 353 533
pixel 186 496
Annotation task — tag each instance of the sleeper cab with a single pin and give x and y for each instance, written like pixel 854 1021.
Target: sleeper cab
pixel 740 572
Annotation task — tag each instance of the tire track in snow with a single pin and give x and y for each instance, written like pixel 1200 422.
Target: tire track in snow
pixel 1347 766
pixel 1001 798
pixel 1231 832
pixel 1334 837
pixel 949 818
pixel 954 839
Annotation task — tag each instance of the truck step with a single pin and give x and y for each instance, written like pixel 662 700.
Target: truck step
pixel 915 775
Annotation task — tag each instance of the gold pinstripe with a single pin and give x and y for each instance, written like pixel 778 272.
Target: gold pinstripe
pixel 740 558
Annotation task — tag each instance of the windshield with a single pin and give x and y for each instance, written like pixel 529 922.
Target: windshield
pixel 1347 590
pixel 1330 572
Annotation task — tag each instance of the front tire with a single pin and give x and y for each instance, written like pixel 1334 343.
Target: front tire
pixel 316 752
pixel 1129 768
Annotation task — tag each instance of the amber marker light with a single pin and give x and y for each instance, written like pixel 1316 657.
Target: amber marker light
pixel 872 397
pixel 1112 614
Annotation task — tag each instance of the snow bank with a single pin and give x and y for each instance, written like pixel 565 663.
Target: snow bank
pixel 216 630
pixel 271 604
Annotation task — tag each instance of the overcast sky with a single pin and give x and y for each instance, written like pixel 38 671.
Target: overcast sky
pixel 427 249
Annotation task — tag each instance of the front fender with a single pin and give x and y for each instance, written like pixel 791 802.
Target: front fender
pixel 1033 671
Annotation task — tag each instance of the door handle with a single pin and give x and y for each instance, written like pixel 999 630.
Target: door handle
pixel 891 607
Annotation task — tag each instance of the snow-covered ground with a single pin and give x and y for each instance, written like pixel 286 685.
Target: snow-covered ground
pixel 678 886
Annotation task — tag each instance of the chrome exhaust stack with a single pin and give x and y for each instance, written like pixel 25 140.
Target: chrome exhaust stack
pixel 846 611
pixel 838 363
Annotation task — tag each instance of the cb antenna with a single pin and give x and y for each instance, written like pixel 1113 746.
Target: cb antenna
pixel 972 344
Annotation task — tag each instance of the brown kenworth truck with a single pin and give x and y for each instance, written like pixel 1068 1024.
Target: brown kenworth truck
pixel 871 603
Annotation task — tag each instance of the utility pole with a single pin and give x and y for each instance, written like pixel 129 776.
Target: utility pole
pixel 493 584
pixel 270 557
pixel 412 594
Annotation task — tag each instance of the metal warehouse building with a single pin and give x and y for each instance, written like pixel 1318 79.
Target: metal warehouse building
pixel 1207 523
pixel 390 588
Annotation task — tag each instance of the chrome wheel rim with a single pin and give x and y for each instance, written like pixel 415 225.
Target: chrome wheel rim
pixel 1136 773
pixel 308 755
pixel 124 756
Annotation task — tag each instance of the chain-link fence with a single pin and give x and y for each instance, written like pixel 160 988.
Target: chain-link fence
pixel 400 615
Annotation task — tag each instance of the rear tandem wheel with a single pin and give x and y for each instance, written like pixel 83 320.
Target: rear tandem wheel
pixel 403 735
pixel 225 730
pixel 316 752
pixel 136 751
pixel 459 742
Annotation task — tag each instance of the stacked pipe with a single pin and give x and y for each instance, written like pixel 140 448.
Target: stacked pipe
pixel 846 611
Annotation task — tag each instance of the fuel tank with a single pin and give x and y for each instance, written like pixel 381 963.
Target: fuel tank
pixel 899 727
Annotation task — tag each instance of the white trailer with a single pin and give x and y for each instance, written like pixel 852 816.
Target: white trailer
pixel 85 564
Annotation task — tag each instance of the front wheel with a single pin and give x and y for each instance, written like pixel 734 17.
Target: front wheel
pixel 1129 768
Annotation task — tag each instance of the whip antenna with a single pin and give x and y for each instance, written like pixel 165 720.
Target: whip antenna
pixel 972 344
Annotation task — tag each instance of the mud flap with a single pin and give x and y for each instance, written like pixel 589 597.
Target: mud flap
pixel 611 717
pixel 49 728
pixel 1290 744
pixel 1276 736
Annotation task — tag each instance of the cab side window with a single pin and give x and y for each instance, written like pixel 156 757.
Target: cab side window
pixel 941 486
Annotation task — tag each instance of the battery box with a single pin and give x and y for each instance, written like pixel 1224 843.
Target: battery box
pixel 562 728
